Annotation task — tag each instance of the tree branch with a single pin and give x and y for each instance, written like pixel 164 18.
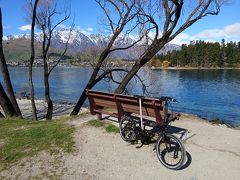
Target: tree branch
pixel 63 53
pixel 190 21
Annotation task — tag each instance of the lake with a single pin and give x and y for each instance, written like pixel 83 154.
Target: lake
pixel 209 94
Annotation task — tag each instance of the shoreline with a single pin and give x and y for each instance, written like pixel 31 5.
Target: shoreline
pixel 66 108
pixel 152 68
pixel 216 121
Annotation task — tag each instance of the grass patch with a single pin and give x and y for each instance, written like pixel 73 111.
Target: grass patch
pixel 26 138
pixel 107 126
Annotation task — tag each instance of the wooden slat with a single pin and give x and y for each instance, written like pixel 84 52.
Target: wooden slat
pixel 123 103
pixel 103 102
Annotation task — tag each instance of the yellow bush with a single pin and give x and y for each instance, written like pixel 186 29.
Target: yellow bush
pixel 165 64
pixel 156 63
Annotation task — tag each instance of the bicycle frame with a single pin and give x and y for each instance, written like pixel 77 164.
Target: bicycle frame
pixel 140 111
pixel 169 148
pixel 165 111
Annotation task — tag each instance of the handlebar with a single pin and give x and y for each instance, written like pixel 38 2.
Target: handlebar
pixel 167 98
pixel 163 98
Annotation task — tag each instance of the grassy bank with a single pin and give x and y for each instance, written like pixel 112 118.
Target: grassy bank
pixel 22 138
pixel 107 126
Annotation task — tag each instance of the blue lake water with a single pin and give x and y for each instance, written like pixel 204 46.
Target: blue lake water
pixel 207 93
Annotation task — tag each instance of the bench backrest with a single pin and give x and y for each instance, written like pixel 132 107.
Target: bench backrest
pixel 99 99
pixel 125 104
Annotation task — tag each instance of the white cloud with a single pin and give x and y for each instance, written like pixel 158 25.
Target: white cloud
pixel 86 31
pixel 230 31
pixel 25 27
pixel 90 29
pixel 182 38
pixel 62 26
pixel 233 30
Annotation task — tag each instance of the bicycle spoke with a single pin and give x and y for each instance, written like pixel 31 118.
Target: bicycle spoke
pixel 170 151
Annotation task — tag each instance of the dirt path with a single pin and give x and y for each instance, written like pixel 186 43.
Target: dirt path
pixel 214 153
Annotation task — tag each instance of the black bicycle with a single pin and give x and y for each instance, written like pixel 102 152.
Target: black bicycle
pixel 169 148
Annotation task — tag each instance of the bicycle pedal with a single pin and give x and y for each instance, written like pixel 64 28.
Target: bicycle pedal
pixel 139 146
pixel 133 142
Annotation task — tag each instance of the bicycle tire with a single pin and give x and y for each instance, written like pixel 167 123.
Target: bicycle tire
pixel 173 148
pixel 127 127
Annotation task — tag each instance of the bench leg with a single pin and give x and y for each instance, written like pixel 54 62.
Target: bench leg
pixel 99 116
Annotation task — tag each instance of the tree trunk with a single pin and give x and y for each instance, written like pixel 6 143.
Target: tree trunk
pixel 47 90
pixel 6 104
pixel 93 83
pixel 48 100
pixel 80 102
pixel 30 72
pixel 127 78
pixel 140 63
pixel 83 96
pixel 5 73
pixel 1 115
pixel 90 83
pixel 50 109
pixel 32 94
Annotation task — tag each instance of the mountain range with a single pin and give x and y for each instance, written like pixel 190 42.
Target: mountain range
pixel 80 42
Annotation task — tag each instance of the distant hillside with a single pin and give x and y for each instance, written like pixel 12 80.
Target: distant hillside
pixel 17 47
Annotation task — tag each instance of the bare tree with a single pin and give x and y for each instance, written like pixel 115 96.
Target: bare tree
pixel 6 76
pixel 171 13
pixel 46 11
pixel 30 72
pixel 118 15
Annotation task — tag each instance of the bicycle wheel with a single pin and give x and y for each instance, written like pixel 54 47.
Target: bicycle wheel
pixel 170 151
pixel 128 128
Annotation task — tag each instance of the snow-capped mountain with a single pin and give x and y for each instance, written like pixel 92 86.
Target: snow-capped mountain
pixel 79 42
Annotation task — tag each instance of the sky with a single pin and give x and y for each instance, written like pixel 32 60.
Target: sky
pixel 87 16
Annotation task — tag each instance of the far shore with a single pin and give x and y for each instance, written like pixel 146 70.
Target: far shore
pixel 193 68
pixel 129 66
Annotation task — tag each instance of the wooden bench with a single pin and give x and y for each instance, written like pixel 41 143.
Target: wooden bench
pixel 118 105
